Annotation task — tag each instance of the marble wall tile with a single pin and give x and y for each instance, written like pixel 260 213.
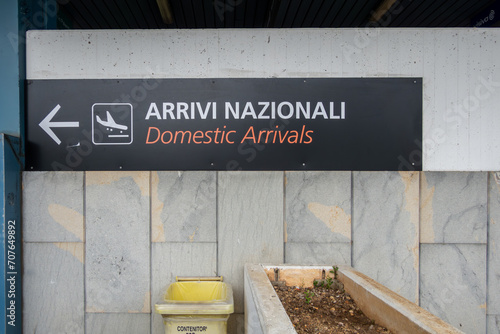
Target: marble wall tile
pixel 453 207
pixel 453 284
pixel 324 253
pixel 53 206
pixel 117 323
pixel 385 229
pixel 117 271
pixel 183 206
pixel 318 206
pixel 493 324
pixel 250 211
pixel 53 290
pixel 169 260
pixel 494 244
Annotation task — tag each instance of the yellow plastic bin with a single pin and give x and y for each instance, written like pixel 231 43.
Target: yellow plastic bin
pixel 196 305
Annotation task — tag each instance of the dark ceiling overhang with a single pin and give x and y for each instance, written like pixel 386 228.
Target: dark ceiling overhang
pixel 199 14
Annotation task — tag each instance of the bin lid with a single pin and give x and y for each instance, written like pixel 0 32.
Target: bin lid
pixel 197 297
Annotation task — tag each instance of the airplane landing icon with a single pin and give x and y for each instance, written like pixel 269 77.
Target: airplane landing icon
pixel 112 124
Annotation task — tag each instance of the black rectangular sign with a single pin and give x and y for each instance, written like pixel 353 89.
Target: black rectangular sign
pixel 225 124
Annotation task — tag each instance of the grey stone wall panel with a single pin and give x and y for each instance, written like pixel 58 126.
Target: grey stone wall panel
pixel 119 323
pixel 117 271
pixel 494 244
pixel 453 284
pixel 385 229
pixel 183 206
pixel 324 253
pixel 53 207
pixel 53 291
pixel 250 211
pixel 453 207
pixel 318 206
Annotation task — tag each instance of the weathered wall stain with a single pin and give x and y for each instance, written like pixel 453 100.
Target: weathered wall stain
pixel 68 218
pixel 334 217
pixel 426 212
pixel 157 230
pixel 74 248
pixel 141 179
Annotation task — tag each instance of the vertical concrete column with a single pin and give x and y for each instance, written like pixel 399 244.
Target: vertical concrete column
pixel 11 43
pixel 10 237
pixel 12 48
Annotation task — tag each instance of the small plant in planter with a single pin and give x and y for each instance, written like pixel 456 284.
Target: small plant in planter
pixel 329 282
pixel 332 311
pixel 323 307
pixel 335 271
pixel 308 296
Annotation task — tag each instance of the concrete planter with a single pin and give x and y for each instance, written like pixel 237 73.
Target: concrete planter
pixel 265 314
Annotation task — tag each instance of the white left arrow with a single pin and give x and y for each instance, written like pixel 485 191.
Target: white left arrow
pixel 46 124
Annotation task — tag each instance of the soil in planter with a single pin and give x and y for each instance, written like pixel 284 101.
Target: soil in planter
pixel 323 311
